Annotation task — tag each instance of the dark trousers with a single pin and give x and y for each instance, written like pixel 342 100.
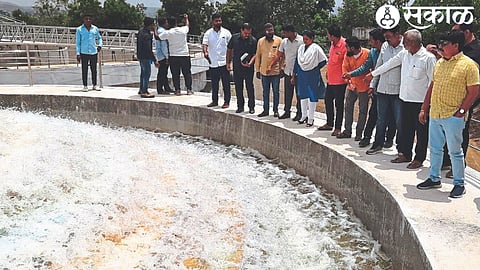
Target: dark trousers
pixel 182 63
pixel 162 80
pixel 411 127
pixel 350 99
pixel 87 59
pixel 241 75
pixel 216 74
pixel 335 93
pixel 372 122
pixel 290 89
pixel 465 135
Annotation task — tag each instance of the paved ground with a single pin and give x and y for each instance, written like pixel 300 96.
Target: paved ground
pixel 449 229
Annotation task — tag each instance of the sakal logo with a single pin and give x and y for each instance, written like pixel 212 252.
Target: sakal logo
pixel 388 16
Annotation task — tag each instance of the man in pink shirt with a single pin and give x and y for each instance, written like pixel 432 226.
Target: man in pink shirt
pixel 336 85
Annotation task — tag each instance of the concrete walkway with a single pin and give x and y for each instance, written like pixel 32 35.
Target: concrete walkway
pixel 448 229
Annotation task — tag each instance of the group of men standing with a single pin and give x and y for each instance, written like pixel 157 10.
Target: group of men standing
pixel 427 93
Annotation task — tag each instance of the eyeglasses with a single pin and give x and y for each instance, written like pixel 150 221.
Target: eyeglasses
pixel 443 43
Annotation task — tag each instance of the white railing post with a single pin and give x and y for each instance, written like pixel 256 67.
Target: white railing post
pixel 30 75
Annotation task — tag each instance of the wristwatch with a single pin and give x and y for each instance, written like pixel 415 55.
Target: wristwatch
pixel 461 111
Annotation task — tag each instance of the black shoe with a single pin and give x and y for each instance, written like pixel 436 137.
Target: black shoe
pixel 169 90
pixel 358 138
pixel 344 135
pixel 457 191
pixel 303 121
pixel 364 142
pixel 428 184
pixel 239 110
pixel 161 92
pixel 310 124
pixel 374 150
pixel 297 117
pixel 275 114
pixel 212 104
pixel 285 115
pixel 251 111
pixel 264 113
pixel 388 144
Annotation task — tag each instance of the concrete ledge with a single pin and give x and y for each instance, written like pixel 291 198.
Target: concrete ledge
pixel 383 199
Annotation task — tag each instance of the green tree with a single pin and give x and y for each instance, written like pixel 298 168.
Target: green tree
pixel 78 8
pixel 51 12
pixel 118 14
pixel 24 17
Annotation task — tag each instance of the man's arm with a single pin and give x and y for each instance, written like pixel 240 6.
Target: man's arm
pixel 391 63
pixel 229 59
pixel 205 46
pixel 187 22
pixel 78 43
pixel 100 42
pixel 424 110
pixel 259 56
pixel 364 68
pixel 278 57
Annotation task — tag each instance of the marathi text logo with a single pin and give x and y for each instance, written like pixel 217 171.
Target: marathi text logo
pixel 423 17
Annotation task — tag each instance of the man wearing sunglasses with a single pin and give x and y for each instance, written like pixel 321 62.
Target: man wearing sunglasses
pixel 454 88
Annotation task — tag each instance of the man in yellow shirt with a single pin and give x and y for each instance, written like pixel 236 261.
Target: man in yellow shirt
pixel 454 88
pixel 267 48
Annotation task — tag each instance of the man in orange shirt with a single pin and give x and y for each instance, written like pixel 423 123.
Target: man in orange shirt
pixel 336 85
pixel 358 89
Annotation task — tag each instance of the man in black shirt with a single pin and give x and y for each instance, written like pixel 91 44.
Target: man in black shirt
pixel 242 49
pixel 145 55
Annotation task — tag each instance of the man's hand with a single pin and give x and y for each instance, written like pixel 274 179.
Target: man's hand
pixel 422 117
pixel 156 64
pixel 346 76
pixel 78 58
pixel 229 67
pixel 259 76
pixel 292 80
pixel 99 49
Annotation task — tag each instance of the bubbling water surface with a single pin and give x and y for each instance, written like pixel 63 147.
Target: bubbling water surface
pixel 82 196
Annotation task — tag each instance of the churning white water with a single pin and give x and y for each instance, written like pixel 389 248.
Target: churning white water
pixel 82 196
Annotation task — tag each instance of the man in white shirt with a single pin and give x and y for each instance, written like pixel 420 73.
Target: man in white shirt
pixel 416 74
pixel 287 52
pixel 214 45
pixel 179 56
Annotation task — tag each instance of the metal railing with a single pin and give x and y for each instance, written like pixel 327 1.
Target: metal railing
pixel 58 35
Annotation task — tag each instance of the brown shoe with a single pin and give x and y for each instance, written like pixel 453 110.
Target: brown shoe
pixel 449 174
pixel 225 105
pixel 336 132
pixel 400 159
pixel 147 95
pixel 324 127
pixel 415 164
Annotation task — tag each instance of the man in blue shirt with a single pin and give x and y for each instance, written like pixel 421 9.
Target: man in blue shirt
pixel 88 44
pixel 161 49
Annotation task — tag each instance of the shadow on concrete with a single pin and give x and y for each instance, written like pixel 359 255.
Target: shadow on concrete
pixel 477 202
pixel 432 195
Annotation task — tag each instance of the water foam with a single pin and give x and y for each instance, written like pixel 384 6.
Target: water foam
pixel 92 197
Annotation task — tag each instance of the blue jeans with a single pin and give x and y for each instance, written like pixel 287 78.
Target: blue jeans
pixel 447 130
pixel 275 82
pixel 145 71
pixel 387 105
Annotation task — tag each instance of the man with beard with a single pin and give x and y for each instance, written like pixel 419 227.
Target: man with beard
pixel 267 48
pixel 242 49
pixel 288 53
pixel 214 47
